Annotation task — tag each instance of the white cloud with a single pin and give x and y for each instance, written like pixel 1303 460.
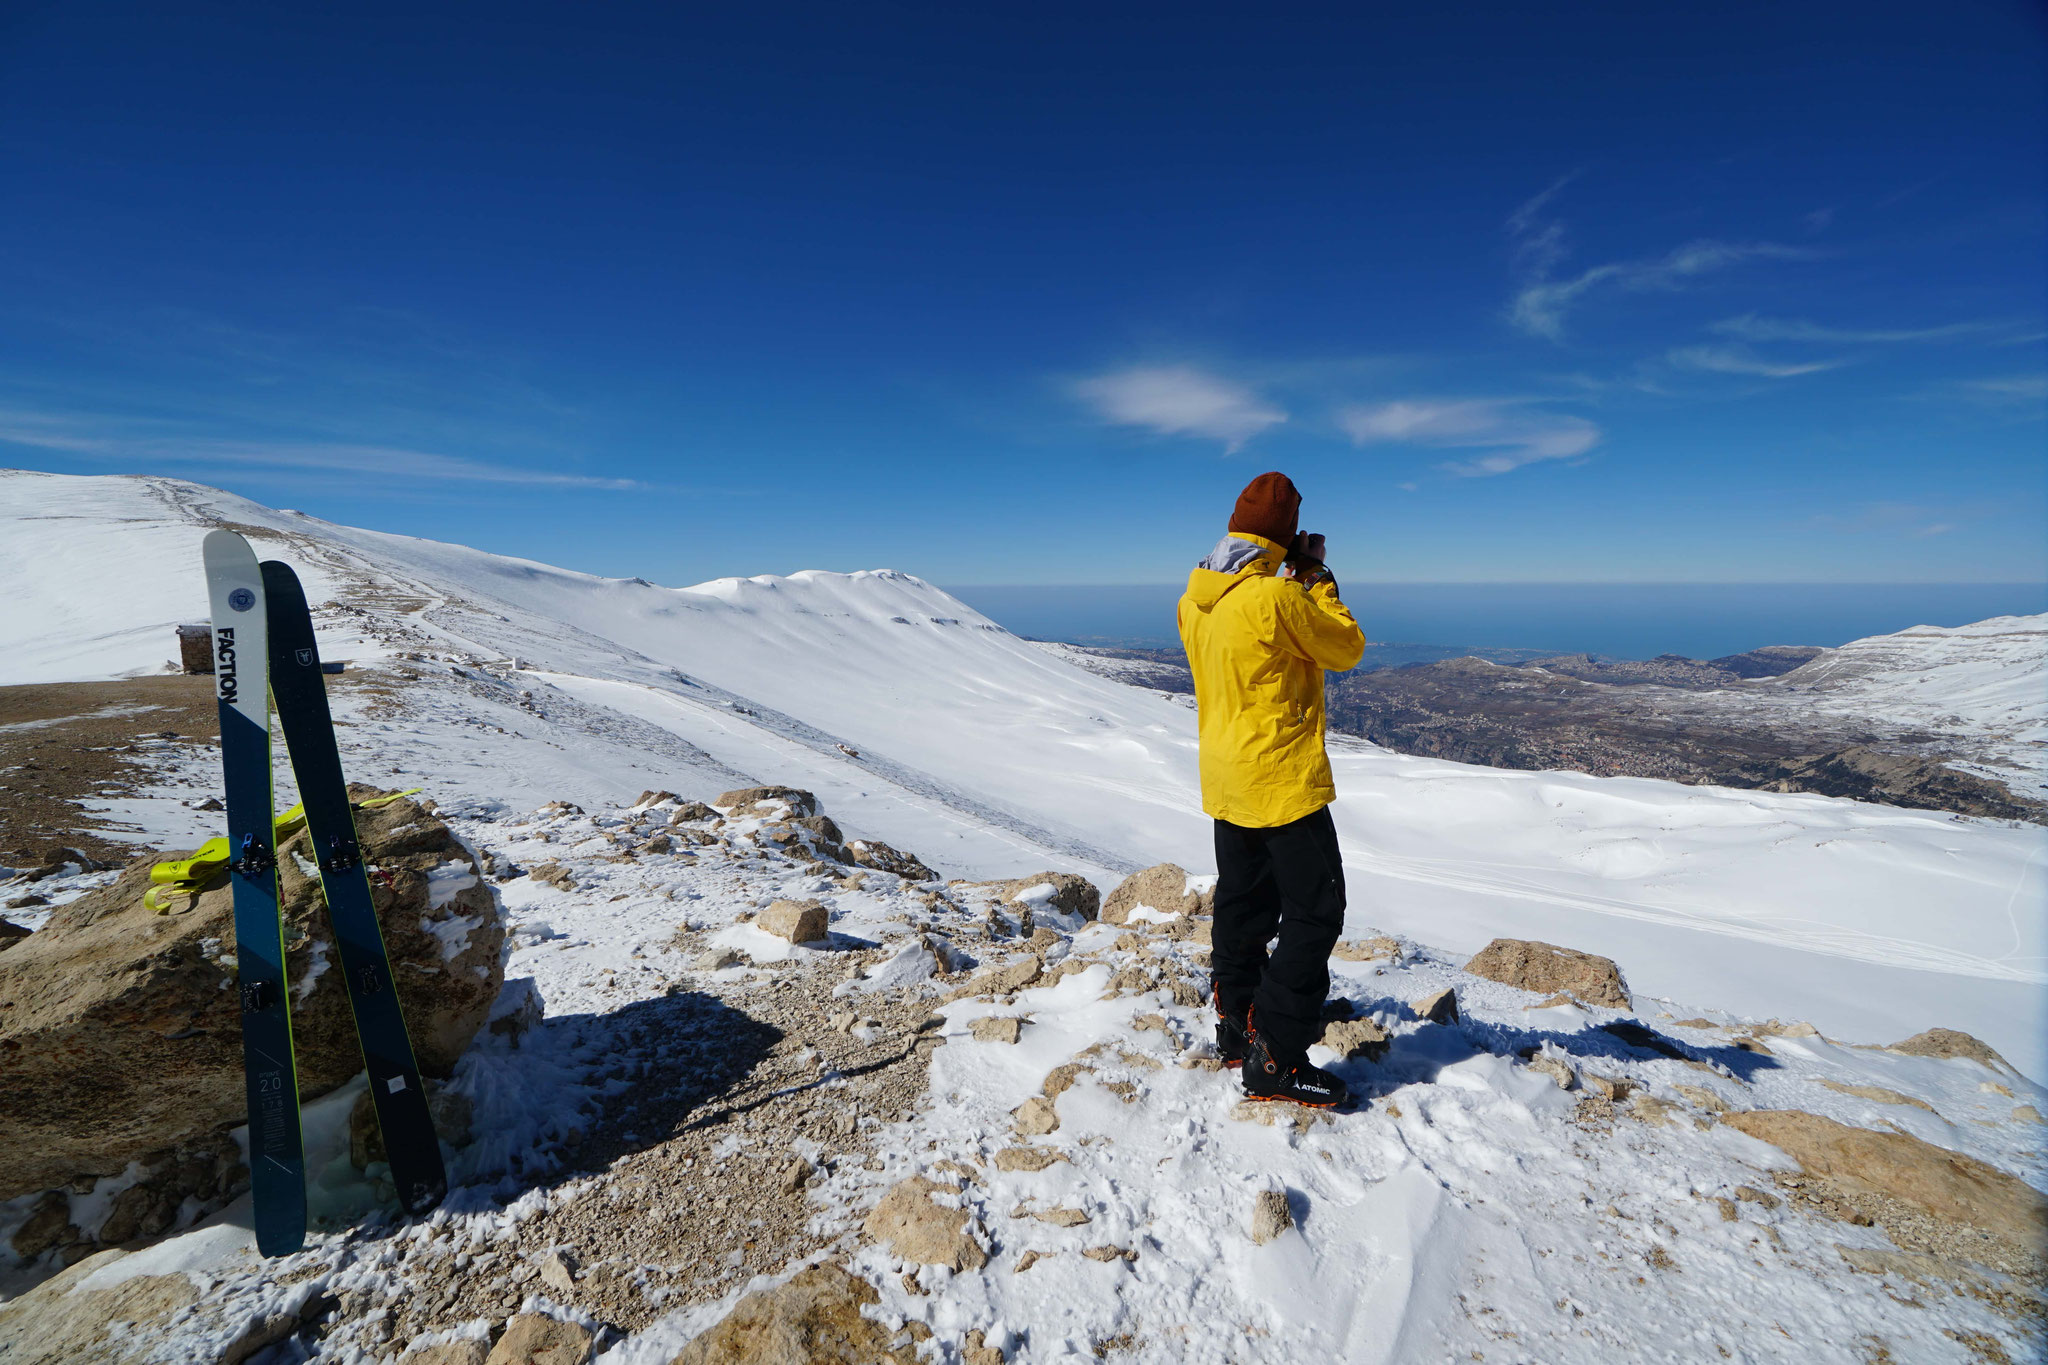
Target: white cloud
pixel 77 436
pixel 1750 327
pixel 2020 388
pixel 1740 360
pixel 1540 306
pixel 1511 433
pixel 1179 400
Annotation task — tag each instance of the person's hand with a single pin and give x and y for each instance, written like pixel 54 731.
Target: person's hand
pixel 1306 547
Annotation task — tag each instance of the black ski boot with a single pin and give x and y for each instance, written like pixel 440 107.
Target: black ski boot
pixel 1233 1034
pixel 1267 1077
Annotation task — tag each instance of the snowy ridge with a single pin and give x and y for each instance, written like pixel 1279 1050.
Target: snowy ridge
pixel 1989 677
pixel 990 757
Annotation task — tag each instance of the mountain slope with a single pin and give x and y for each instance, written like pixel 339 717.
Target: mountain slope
pixel 988 756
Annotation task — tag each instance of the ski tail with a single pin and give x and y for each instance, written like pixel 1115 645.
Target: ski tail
pixel 396 1090
pixel 277 1164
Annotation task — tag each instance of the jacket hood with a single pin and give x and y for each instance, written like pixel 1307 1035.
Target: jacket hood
pixel 1236 558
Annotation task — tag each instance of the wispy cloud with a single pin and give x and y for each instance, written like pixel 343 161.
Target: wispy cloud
pixel 1750 327
pixel 1510 432
pixel 1542 300
pixel 1179 400
pixel 1900 520
pixel 2010 388
pixel 1539 307
pixel 1741 360
pixel 93 440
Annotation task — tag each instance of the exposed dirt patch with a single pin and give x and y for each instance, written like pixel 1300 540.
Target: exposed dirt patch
pixel 722 1197
pixel 62 743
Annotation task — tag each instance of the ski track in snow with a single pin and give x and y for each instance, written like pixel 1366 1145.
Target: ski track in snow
pixel 1464 1211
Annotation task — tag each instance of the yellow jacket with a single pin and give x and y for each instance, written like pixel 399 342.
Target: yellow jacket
pixel 1258 645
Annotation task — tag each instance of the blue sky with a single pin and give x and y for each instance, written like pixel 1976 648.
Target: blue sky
pixel 1744 292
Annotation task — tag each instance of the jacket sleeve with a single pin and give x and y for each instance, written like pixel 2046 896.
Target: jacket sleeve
pixel 1319 627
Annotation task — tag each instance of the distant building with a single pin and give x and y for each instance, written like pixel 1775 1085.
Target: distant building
pixel 195 648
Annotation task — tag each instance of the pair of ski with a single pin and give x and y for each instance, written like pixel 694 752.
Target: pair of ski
pixel 263 648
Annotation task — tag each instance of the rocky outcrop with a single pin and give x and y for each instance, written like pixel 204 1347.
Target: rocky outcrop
pixel 532 1339
pixel 1550 970
pixel 786 802
pixel 875 854
pixel 1071 893
pixel 1942 1184
pixel 918 1230
pixel 798 921
pixel 121 1037
pixel 1270 1216
pixel 1948 1042
pixel 815 1319
pixel 1163 887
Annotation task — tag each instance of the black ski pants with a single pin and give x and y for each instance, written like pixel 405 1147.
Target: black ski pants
pixel 1287 880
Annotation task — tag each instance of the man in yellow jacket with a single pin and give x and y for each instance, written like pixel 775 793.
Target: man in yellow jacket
pixel 1261 621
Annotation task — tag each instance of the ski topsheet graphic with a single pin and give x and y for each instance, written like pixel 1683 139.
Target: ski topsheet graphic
pixel 277 1163
pixel 410 1143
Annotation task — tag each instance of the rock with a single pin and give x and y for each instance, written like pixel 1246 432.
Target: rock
pixel 1946 1185
pixel 976 1350
pixel 1071 894
pixel 691 812
pixel 1948 1042
pixel 822 835
pixel 1557 1068
pixel 1441 1007
pixel 1647 1108
pixel 654 798
pixel 450 1112
pixel 1350 1038
pixel 1544 968
pixel 466 1352
pixel 558 1272
pixel 2026 1113
pixel 1367 950
pixel 1877 1094
pixel 1003 980
pixel 1036 1117
pixel 1699 1097
pixel 659 843
pixel 1270 1216
pixel 1028 1158
pixel 518 1010
pixel 531 1339
pixel 787 802
pixel 1750 1194
pixel 815 1319
pixel 1613 1089
pixel 873 853
pixel 10 932
pixel 798 921
pixel 719 958
pixel 1294 1116
pixel 122 1323
pixel 1061 1218
pixel 795 1176
pixel 123 1034
pixel 555 875
pixel 555 810
pixel 997 1028
pixel 1163 887
pixel 916 1229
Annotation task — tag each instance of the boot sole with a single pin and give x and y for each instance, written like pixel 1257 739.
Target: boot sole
pixel 1286 1099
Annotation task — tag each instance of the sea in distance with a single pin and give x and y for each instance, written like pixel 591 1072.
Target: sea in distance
pixel 1607 620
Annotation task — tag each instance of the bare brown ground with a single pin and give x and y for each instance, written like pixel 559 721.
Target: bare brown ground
pixel 61 743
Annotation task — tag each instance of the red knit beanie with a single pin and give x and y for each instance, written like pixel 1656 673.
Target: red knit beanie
pixel 1269 507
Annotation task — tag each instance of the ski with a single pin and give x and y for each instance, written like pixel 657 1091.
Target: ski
pixel 410 1144
pixel 277 1160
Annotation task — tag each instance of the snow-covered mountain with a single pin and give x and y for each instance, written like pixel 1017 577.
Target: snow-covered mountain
pixel 1989 678
pixel 1535 1180
pixel 988 756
